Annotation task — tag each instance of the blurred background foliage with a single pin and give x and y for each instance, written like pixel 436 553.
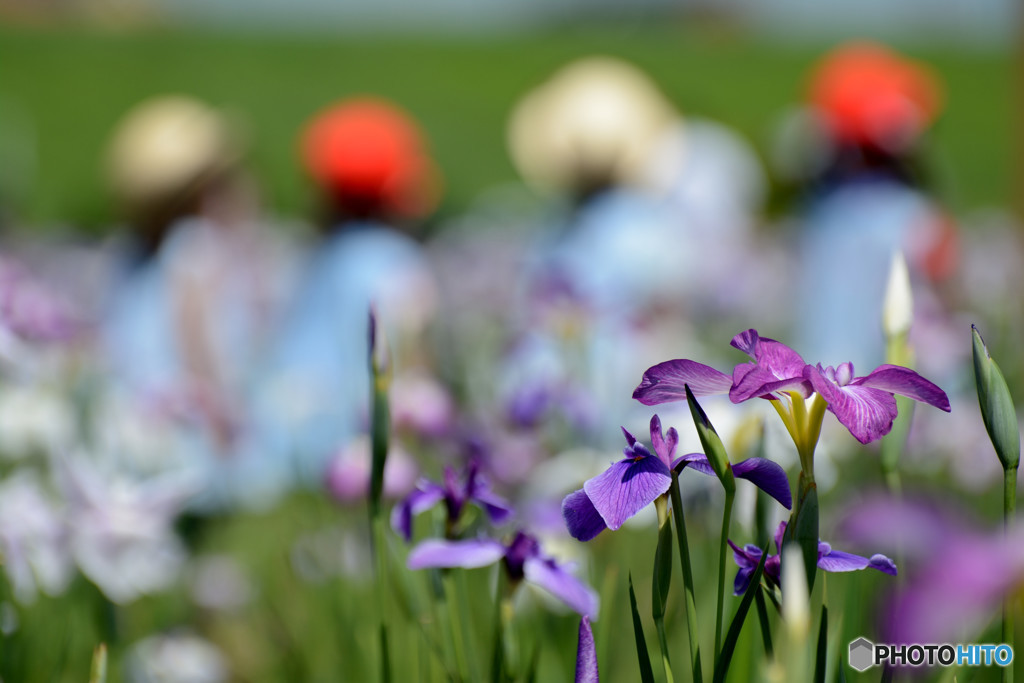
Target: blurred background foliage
pixel 63 87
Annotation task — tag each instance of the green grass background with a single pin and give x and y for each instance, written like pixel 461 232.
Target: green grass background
pixel 62 89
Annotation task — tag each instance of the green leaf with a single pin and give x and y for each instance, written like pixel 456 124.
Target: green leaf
pixel 711 443
pixel 646 672
pixel 762 615
pixel 692 629
pixel 822 652
pixel 729 645
pixel 662 571
pixel 803 528
pixel 997 409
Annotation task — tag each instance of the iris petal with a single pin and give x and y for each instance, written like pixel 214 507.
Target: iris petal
pixel 627 487
pixel 581 517
pixel 467 554
pixel 666 382
pixel 426 495
pixel 586 654
pixel 905 382
pixel 543 572
pixel 867 412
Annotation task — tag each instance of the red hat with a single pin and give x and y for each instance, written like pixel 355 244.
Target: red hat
pixel 370 150
pixel 869 94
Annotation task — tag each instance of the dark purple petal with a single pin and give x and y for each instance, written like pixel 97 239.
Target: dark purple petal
pixel 468 554
pixel 581 517
pixel 577 595
pixel 664 446
pixel 666 382
pixel 868 413
pixel 698 461
pixel 630 439
pixel 627 487
pixel 426 495
pixel 767 476
pixel 905 382
pixel 497 508
pixel 780 532
pixel 883 564
pixel 747 559
pixel 586 654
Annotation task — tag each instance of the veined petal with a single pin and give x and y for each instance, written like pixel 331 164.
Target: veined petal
pixel 581 517
pixel 905 382
pixel 774 356
pixel 751 380
pixel 664 446
pixel 577 595
pixel 665 382
pixel 839 561
pixel 627 487
pixel 467 554
pixel 586 654
pixel 426 495
pixel 867 412
pixel 767 476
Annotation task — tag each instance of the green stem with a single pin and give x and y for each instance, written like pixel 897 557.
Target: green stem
pixel 1009 506
pixel 722 554
pixel 684 563
pixel 455 619
pixel 663 642
pixel 464 619
pixel 381 572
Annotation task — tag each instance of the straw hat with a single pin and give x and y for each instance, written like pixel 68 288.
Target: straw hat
pixel 595 121
pixel 368 150
pixel 867 93
pixel 164 146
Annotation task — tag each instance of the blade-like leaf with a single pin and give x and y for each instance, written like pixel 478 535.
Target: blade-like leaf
pixel 762 615
pixel 662 572
pixel 646 672
pixel 822 651
pixel 729 645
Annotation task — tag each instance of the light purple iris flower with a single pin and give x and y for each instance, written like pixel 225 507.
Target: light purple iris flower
pixel 473 489
pixel 631 484
pixel 864 405
pixel 522 559
pixel 749 556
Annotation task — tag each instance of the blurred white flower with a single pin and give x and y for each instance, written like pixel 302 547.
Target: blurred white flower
pixel 122 536
pixel 176 658
pixel 218 582
pixel 33 420
pixel 33 539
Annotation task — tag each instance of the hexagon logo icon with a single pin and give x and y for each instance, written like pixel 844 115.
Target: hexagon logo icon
pixel 862 654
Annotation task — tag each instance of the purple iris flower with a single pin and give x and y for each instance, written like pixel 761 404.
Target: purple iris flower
pixel 631 484
pixel 749 556
pixel 522 559
pixel 864 405
pixel 473 489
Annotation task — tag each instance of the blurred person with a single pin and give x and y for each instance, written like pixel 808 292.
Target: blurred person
pixel 194 300
pixel 867 197
pixel 607 277
pixel 376 180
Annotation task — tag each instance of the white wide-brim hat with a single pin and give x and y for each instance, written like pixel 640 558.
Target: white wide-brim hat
pixel 595 117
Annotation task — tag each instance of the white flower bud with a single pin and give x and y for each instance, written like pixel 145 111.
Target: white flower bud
pixel 898 305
